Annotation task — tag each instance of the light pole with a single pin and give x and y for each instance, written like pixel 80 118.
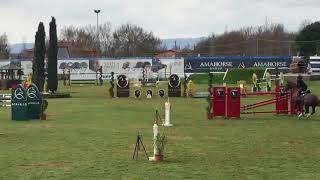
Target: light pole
pixel 97 11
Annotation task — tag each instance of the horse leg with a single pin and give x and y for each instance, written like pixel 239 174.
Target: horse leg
pixel 306 107
pixel 296 107
pixel 313 109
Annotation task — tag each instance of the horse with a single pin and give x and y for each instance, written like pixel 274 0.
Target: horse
pixel 308 100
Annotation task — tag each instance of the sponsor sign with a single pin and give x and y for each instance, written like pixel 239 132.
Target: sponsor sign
pixel 74 65
pixel 174 86
pixel 222 63
pixel 19 106
pixel 33 101
pixel 123 87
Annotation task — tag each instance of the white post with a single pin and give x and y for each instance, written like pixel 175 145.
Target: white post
pixel 155 132
pixel 167 107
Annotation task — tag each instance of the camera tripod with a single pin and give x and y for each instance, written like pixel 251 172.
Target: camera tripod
pixel 137 147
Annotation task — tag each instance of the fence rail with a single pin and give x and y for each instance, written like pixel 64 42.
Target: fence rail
pixel 5 100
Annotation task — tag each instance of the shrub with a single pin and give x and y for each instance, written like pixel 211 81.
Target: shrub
pixel 238 74
pixel 203 78
pixel 161 141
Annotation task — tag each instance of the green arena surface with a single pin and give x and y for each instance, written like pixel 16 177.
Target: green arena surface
pixel 91 136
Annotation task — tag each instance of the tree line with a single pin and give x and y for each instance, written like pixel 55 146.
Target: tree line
pixel 132 40
pixel 264 40
pixel 268 39
pixel 126 40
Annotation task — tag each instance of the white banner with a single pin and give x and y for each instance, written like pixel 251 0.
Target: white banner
pixel 81 76
pixel 3 63
pixel 75 66
pixel 90 76
pixel 173 66
pixel 26 67
pixel 132 68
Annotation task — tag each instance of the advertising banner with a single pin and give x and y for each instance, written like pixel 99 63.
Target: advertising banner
pixel 222 63
pixel 132 68
pixel 170 66
pixel 74 65
pixel 26 67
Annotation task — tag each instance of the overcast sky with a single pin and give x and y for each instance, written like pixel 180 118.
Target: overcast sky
pixel 166 18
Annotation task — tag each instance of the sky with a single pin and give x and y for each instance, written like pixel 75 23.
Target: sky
pixel 166 18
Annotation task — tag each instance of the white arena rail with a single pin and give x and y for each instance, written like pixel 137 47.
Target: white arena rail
pixel 5 100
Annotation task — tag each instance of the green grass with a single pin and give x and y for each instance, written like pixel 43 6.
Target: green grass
pixel 91 136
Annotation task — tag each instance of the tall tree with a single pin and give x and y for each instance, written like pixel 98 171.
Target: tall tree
pixel 4 47
pixel 53 57
pixel 132 40
pixel 308 39
pixel 105 38
pixel 85 38
pixel 38 75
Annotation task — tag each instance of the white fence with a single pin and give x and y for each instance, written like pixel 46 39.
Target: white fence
pixel 5 100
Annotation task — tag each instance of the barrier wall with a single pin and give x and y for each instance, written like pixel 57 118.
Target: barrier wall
pixel 161 67
pixel 219 101
pixel 233 102
pixel 229 105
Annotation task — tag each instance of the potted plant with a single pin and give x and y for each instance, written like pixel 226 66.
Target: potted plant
pixel 161 141
pixel 43 108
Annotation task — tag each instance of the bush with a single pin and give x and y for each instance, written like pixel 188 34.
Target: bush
pixel 238 74
pixel 232 77
pixel 203 78
pixel 161 141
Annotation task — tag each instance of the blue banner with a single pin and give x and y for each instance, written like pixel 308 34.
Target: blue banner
pixel 222 63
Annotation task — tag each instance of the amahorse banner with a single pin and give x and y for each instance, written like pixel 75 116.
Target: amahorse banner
pixel 222 63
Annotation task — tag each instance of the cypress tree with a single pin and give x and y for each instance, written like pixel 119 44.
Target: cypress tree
pixel 52 57
pixel 38 75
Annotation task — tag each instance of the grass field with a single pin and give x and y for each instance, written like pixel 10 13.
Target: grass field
pixel 91 136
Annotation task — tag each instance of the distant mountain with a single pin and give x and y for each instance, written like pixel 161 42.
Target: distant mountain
pixel 180 42
pixel 18 47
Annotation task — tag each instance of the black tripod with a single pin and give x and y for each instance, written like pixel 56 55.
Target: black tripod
pixel 137 147
pixel 157 118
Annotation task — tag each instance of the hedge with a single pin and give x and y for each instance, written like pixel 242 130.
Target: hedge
pixel 238 74
pixel 203 78
pixel 232 77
